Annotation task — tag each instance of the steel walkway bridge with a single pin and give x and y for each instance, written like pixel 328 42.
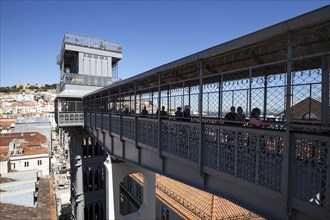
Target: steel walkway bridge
pixel 280 170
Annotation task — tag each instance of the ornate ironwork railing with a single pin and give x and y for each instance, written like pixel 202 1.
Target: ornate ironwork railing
pixel 253 155
pixel 69 113
pixel 92 42
pixel 88 80
pixel 71 119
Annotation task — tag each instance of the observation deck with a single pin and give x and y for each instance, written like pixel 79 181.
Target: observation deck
pixel 86 64
pixel 279 170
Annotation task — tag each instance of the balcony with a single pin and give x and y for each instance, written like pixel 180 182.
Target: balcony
pixel 86 80
pixel 84 41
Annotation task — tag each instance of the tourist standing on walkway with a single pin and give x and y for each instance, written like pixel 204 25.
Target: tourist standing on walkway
pixel 114 110
pixel 163 112
pixel 231 116
pixel 144 111
pixel 178 114
pixel 255 120
pixel 186 113
pixel 240 116
pixel 126 111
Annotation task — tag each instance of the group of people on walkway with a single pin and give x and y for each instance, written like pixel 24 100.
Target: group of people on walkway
pixel 179 114
pixel 254 120
pixel 183 116
pixel 231 118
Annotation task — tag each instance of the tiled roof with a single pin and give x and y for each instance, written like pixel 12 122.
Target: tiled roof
pixel 45 208
pixel 4 153
pixel 34 138
pixel 27 150
pixel 6 122
pixel 32 144
pixel 192 203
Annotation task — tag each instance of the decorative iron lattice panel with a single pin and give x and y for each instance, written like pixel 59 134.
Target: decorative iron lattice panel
pixel 239 155
pixel 270 161
pixel 98 121
pixel 90 80
pixel 93 120
pixel 105 121
pixel 115 124
pixel 85 41
pixel 181 139
pixel 71 118
pixel 88 121
pixel 128 127
pixel 148 132
pixel 310 168
pixel 194 141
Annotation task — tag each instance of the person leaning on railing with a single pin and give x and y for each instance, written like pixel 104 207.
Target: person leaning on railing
pixel 144 111
pixel 186 113
pixel 240 117
pixel 179 114
pixel 231 116
pixel 255 120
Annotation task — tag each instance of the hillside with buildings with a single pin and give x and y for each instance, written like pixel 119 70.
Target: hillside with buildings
pixel 26 101
pixel 27 131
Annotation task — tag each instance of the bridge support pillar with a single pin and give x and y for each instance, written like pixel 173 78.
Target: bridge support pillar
pixel 76 147
pixel 116 171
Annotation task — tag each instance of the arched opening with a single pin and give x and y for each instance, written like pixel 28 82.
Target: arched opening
pixel 131 193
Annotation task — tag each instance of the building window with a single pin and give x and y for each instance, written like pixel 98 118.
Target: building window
pixel 26 164
pixel 164 215
pixel 39 162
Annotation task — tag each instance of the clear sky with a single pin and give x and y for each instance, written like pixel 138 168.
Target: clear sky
pixel 152 32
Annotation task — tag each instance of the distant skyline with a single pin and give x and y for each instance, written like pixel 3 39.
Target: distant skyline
pixel 152 33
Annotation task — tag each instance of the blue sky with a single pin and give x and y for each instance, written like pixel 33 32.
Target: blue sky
pixel 152 32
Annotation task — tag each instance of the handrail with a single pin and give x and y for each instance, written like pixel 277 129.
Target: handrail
pixel 81 40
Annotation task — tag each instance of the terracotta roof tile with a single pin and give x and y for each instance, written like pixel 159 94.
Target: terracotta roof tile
pixel 191 203
pixel 197 204
pixel 34 138
pixel 4 153
pixel 6 122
